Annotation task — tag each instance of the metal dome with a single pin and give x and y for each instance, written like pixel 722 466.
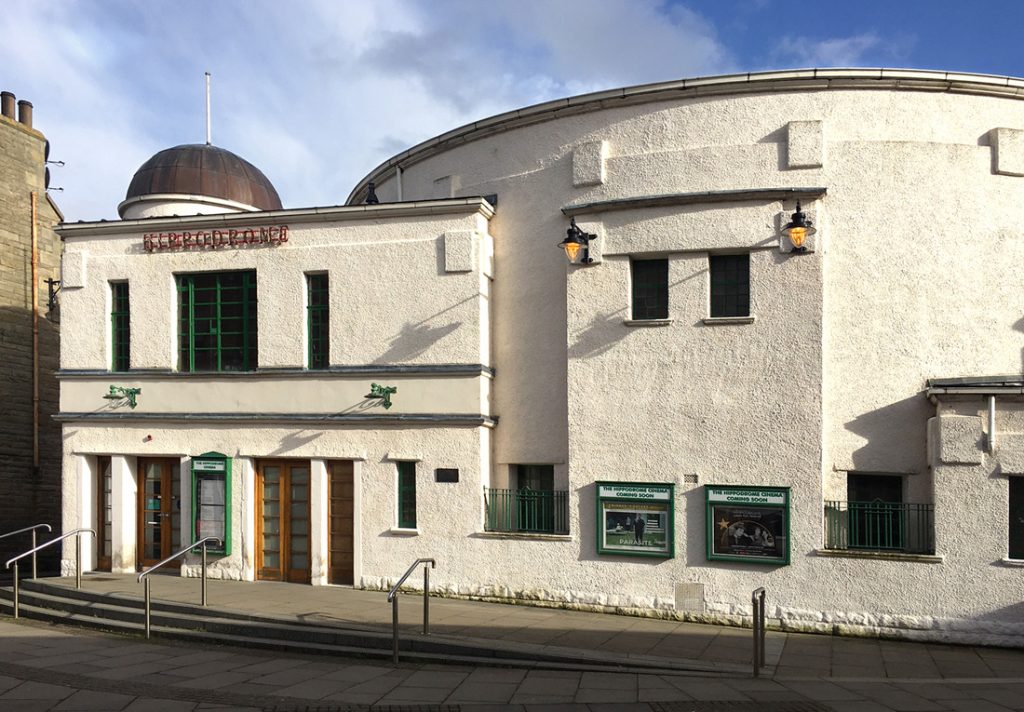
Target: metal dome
pixel 204 170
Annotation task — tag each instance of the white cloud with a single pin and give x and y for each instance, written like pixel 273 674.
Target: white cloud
pixel 315 93
pixel 835 52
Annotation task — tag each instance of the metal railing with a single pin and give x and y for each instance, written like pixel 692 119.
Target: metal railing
pixel 172 557
pixel 32 529
pixel 526 510
pixel 757 604
pixel 393 600
pixel 880 526
pixel 77 533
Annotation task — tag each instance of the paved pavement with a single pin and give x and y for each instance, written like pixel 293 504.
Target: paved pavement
pixel 45 667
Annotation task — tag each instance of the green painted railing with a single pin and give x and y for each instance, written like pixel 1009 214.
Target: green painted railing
pixel 526 510
pixel 880 526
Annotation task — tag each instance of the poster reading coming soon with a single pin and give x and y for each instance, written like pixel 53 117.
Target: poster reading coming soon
pixel 635 518
pixel 746 524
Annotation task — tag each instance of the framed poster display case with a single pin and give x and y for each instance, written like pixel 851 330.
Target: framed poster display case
pixel 636 519
pixel 748 524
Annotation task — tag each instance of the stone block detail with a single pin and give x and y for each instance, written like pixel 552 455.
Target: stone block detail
pixel 960 440
pixel 446 187
pixel 72 270
pixel 588 164
pixel 1010 449
pixel 690 597
pixel 805 144
pixel 1007 151
pixel 459 251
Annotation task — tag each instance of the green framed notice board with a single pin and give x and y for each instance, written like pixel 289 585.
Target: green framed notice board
pixel 636 519
pixel 211 499
pixel 747 523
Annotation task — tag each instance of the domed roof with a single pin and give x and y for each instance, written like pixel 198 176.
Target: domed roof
pixel 204 170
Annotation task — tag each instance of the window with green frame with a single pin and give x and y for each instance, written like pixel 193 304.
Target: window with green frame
pixel 217 321
pixel 407 495
pixel 318 321
pixel 120 329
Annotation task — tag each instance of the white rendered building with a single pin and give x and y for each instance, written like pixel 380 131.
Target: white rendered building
pixel 699 410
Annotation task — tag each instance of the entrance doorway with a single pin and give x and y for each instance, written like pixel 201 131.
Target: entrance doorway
pixel 159 523
pixel 283 521
pixel 342 567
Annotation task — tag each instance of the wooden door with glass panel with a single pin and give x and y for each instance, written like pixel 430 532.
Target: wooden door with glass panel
pixel 103 514
pixel 283 520
pixel 159 510
pixel 341 569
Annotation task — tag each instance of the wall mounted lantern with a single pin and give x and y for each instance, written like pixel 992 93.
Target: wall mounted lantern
pixel 381 392
pixel 798 229
pixel 576 241
pixel 126 394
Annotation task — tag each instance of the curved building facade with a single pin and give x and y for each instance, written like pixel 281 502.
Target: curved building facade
pixel 700 409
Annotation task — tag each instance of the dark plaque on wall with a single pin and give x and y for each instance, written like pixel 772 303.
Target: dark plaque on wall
pixel 446 474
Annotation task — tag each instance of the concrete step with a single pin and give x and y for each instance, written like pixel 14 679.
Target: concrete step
pixel 60 604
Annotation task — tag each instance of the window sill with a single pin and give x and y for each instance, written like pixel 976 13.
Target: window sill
pixel 1011 563
pixel 881 556
pixel 524 536
pixel 647 322
pixel 716 320
pixel 403 531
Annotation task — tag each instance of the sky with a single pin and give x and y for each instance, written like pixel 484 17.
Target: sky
pixel 316 93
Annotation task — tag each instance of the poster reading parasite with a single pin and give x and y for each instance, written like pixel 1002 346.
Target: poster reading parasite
pixel 748 524
pixel 635 519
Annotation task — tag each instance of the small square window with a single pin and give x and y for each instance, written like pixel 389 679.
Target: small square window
pixel 730 285
pixel 650 289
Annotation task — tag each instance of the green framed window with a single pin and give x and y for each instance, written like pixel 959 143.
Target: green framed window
pixel 650 289
pixel 318 321
pixel 120 327
pixel 730 285
pixel 407 495
pixel 217 321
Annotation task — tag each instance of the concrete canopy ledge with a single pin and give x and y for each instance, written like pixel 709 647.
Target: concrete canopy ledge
pixel 702 198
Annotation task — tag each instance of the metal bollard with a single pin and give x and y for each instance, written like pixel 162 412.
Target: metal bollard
pixel 203 584
pixel 757 605
pixel 426 600
pixel 15 589
pixel 147 608
pixel 78 561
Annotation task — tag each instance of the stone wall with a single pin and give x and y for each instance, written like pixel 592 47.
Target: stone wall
pixel 27 495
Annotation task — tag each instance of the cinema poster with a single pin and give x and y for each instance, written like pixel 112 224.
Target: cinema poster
pixel 747 524
pixel 636 519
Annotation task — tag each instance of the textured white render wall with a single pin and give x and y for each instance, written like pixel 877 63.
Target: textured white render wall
pixel 449 515
pixel 391 300
pixel 919 240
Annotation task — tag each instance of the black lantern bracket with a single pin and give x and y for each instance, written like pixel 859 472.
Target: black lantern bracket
pixel 797 231
pixel 53 285
pixel 578 245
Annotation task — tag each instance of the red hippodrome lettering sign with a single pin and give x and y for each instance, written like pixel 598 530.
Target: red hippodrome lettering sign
pixel 215 239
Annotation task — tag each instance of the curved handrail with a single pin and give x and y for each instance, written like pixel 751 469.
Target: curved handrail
pixel 47 543
pixel 394 589
pixel 172 557
pixel 27 529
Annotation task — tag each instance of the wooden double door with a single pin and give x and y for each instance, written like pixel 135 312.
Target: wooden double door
pixel 283 518
pixel 159 510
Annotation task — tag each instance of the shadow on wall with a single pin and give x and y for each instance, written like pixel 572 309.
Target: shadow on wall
pixel 28 496
pixel 599 336
pixel 1019 326
pixel 294 441
pixel 416 338
pixel 891 430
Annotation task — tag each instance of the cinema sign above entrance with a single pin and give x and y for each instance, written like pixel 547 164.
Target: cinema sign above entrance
pixel 272 235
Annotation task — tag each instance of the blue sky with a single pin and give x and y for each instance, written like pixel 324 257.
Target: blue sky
pixel 318 92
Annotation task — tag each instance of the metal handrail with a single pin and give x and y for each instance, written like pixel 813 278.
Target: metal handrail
pixel 33 530
pixel 172 557
pixel 393 600
pixel 757 602
pixel 77 533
